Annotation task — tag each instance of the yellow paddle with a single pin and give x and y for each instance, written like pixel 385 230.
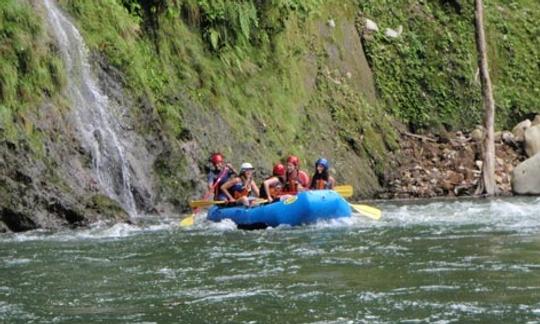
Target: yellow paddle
pixel 205 203
pixel 188 221
pixel 364 210
pixel 345 190
pixel 367 211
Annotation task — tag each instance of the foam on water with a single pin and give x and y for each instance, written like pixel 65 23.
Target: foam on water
pixel 507 213
pixel 96 232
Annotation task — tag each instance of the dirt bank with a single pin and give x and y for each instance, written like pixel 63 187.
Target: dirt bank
pixel 435 166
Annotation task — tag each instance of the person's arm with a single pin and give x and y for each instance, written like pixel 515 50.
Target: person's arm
pixel 331 182
pixel 267 183
pixel 303 180
pixel 225 187
pixel 254 188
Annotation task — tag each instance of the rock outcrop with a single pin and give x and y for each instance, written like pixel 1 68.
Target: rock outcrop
pixel 532 140
pixel 526 178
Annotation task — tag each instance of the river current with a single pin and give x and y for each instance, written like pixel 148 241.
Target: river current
pixel 448 261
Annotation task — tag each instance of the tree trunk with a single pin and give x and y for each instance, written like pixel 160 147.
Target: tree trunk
pixel 488 169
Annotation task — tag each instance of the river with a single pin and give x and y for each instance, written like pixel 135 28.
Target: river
pixel 446 261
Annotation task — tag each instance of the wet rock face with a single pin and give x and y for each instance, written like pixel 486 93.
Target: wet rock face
pixel 428 166
pixel 16 222
pixel 50 191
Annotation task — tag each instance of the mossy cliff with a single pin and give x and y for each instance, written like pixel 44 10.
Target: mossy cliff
pixel 254 80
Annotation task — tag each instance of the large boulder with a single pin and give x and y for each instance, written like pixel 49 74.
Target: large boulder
pixel 519 130
pixel 536 120
pixel 526 178
pixel 532 140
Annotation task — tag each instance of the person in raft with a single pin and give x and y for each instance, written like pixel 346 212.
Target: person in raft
pixel 272 187
pixel 242 189
pixel 220 173
pixel 296 179
pixel 321 179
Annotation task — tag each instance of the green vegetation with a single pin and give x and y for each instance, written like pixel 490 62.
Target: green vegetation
pixel 30 70
pixel 428 76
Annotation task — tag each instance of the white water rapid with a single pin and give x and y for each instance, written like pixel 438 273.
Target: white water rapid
pixel 97 120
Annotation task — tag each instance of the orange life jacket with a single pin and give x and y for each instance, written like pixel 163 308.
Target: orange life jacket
pixel 276 190
pixel 241 189
pixel 243 193
pixel 320 184
pixel 295 178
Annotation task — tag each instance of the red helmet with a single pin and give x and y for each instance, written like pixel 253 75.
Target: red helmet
pixel 216 158
pixel 294 160
pixel 279 170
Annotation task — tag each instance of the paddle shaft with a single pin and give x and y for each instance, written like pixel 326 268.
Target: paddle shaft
pixel 214 185
pixel 188 221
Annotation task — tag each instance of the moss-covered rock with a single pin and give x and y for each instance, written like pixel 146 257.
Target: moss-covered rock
pixel 109 210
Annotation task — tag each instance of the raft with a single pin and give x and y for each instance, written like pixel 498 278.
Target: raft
pixel 305 208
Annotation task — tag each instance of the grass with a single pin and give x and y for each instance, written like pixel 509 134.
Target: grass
pixel 30 72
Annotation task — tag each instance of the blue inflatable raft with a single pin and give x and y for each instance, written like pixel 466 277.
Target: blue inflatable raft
pixel 305 208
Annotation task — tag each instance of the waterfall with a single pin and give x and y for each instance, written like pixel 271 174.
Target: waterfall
pixel 96 118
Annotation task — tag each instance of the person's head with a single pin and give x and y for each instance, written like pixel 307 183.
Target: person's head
pixel 279 170
pixel 292 163
pixel 217 160
pixel 322 165
pixel 246 169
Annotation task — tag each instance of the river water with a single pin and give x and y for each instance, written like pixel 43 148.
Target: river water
pixel 451 261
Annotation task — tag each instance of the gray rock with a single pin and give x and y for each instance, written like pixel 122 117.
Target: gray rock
pixel 508 138
pixel 519 130
pixel 394 33
pixel 371 25
pixel 536 120
pixel 526 178
pixel 532 140
pixel 478 134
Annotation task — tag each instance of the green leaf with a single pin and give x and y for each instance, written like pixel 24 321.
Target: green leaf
pixel 214 38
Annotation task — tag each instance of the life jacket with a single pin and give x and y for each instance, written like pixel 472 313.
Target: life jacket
pixel 220 177
pixel 240 189
pixel 319 182
pixel 293 179
pixel 276 190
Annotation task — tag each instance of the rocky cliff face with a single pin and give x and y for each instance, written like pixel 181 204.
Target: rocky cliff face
pixel 53 184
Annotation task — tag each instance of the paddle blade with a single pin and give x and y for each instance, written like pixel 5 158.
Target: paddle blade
pixel 345 190
pixel 204 203
pixel 188 221
pixel 367 211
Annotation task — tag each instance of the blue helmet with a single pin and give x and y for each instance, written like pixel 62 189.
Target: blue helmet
pixel 323 162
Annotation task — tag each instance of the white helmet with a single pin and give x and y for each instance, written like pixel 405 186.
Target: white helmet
pixel 246 166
